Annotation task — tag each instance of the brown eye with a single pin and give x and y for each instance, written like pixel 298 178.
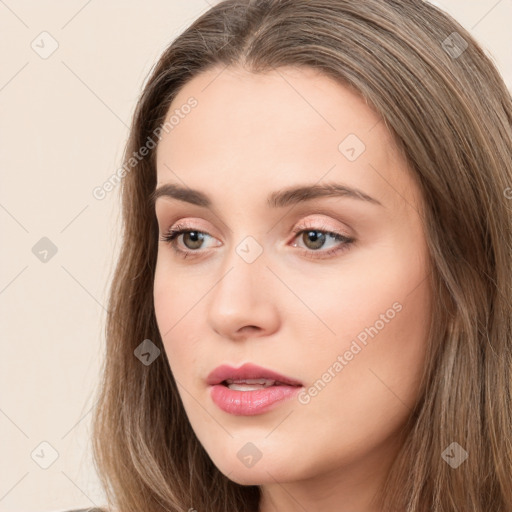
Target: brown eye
pixel 313 239
pixel 193 239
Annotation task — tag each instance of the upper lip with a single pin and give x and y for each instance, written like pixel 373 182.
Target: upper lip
pixel 247 371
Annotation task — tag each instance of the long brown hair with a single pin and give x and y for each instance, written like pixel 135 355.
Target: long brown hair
pixel 450 114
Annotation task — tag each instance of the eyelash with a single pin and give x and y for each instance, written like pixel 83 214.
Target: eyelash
pixel 174 232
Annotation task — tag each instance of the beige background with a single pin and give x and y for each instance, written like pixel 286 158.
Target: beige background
pixel 63 125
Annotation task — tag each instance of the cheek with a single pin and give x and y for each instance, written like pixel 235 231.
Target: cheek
pixel 362 400
pixel 174 294
pixel 378 312
pixel 176 303
pixel 378 293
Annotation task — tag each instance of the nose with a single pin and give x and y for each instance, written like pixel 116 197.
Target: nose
pixel 242 303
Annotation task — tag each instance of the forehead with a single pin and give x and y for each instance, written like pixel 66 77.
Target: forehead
pixel 273 128
pixel 257 107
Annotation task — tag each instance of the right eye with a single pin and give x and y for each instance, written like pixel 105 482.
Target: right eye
pixel 193 239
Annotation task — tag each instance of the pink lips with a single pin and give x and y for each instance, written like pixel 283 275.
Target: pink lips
pixel 248 403
pixel 247 371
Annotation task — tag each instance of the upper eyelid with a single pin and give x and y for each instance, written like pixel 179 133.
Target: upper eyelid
pixel 296 230
pixel 316 223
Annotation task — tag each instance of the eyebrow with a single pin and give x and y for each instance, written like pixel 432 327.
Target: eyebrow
pixel 277 199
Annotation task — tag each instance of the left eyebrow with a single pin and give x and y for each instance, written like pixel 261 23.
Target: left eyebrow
pixel 301 193
pixel 277 199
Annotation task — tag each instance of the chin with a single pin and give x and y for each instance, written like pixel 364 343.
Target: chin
pixel 247 477
pixel 264 471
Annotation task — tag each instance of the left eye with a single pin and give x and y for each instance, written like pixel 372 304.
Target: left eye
pixel 317 238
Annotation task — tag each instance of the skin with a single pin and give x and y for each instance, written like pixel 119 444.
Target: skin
pixel 250 135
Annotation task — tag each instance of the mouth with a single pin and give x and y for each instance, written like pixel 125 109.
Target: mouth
pixel 250 389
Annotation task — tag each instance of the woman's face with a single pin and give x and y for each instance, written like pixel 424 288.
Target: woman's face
pixel 328 289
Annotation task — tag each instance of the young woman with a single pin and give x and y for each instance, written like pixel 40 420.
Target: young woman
pixel 312 309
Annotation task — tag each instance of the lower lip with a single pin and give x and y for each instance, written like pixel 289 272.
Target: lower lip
pixel 249 403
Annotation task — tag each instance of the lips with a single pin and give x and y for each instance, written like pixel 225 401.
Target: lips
pixel 250 389
pixel 250 374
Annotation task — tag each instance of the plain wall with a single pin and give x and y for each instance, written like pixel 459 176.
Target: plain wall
pixel 63 124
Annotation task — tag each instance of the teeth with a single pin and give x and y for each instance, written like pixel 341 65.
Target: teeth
pixel 249 384
pixel 267 382
pixel 247 387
